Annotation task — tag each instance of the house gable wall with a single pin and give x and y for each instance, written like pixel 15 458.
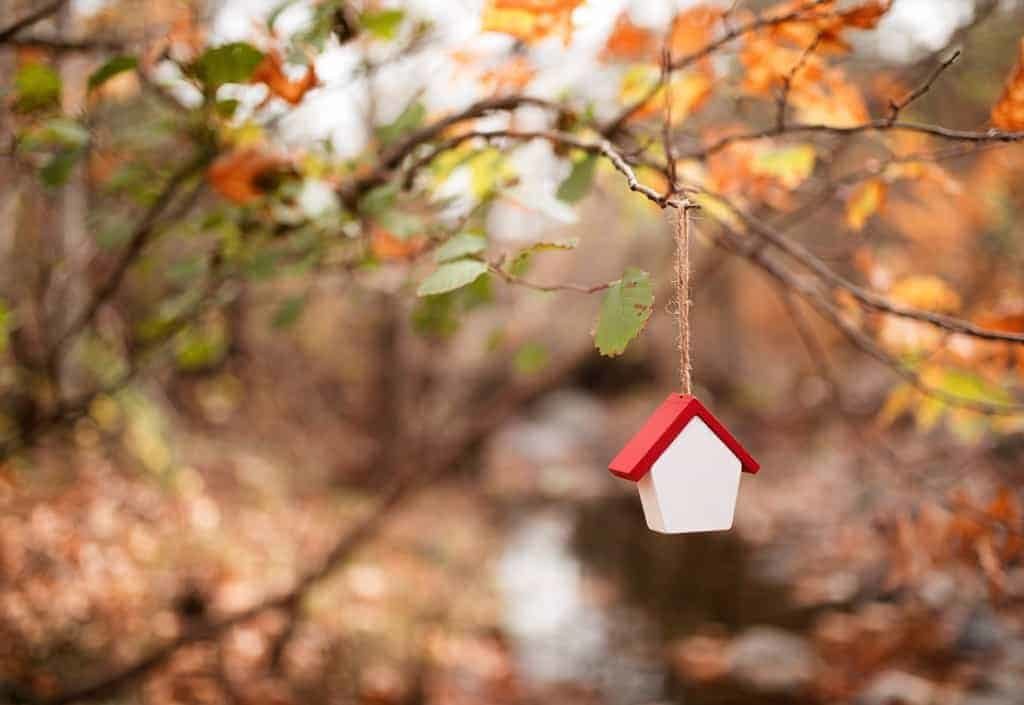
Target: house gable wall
pixel 693 484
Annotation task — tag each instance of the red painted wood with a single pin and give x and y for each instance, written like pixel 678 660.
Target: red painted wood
pixel 661 428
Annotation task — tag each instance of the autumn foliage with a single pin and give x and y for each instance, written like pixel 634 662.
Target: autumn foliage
pixel 318 325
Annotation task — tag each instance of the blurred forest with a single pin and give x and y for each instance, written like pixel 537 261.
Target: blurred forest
pixel 320 321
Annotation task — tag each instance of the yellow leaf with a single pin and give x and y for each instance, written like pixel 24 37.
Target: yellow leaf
pixel 864 203
pixel 720 211
pixel 790 165
pixel 1008 113
pixel 689 91
pixel 530 20
pixel 926 291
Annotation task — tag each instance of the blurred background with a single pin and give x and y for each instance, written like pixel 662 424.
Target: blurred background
pixel 258 468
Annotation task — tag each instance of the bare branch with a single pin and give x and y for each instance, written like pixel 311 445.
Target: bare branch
pixel 878 125
pixel 140 237
pixel 602 147
pixel 866 297
pixel 896 106
pixel 820 302
pixel 37 15
pixel 519 281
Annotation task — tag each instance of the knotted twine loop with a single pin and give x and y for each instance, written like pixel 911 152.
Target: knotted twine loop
pixel 681 230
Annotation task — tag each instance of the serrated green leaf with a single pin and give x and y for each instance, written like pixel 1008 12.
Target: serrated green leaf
pixel 627 305
pixel 36 86
pixel 460 245
pixel 289 312
pixel 116 65
pixel 228 63
pixel 451 276
pixel 577 184
pixel 409 119
pixel 382 24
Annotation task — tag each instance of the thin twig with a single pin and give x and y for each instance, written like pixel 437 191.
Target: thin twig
pixel 787 83
pixel 615 125
pixel 866 297
pixel 514 280
pixel 895 107
pixel 140 237
pixel 37 15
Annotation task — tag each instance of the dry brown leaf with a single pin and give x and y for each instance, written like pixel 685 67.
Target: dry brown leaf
pixel 1008 113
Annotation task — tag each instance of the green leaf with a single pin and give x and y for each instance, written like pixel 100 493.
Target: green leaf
pixel 378 200
pixel 288 312
pixel 521 262
pixel 116 65
pixel 382 24
pixel 451 276
pixel 410 118
pixel 228 63
pixel 459 246
pixel 577 184
pixel 6 325
pixel 56 132
pixel 627 305
pixel 226 108
pixel 36 86
pixel 58 168
pixel 531 358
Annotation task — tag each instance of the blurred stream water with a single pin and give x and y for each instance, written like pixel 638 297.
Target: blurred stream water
pixel 567 629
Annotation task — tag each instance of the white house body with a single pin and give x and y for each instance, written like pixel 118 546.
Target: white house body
pixel 693 485
pixel 687 467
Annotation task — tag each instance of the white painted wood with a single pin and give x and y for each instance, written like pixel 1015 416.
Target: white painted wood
pixel 693 485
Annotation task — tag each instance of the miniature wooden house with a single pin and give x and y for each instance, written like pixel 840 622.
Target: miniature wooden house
pixel 687 467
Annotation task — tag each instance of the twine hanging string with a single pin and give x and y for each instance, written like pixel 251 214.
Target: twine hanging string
pixel 681 230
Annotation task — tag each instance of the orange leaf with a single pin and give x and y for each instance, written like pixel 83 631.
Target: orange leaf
pixel 514 74
pixel 628 41
pixel 1008 113
pixel 243 175
pixel 692 29
pixel 866 16
pixel 864 203
pixel 270 71
pixel 386 246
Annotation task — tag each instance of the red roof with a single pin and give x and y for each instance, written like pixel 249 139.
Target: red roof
pixel 667 422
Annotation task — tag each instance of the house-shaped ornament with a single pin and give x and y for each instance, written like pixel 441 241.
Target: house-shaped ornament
pixel 687 467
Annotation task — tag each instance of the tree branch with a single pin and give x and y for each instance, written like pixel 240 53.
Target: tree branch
pixel 866 297
pixel 139 238
pixel 614 126
pixel 37 15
